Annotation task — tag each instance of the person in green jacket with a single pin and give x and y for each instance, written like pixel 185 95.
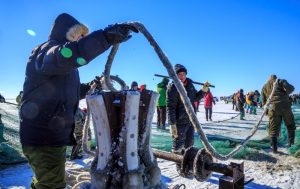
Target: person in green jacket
pixel 279 110
pixel 162 103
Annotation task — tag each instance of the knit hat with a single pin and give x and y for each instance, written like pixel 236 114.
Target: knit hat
pixel 134 84
pixel 165 80
pixel 179 68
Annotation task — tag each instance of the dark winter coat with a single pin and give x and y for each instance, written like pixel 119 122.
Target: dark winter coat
pixel 175 108
pixel 52 86
pixel 240 100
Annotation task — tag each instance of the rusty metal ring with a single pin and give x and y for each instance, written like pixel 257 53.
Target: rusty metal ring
pixel 187 161
pixel 202 158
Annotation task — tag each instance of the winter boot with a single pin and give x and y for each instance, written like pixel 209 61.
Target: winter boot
pixel 274 144
pixel 291 137
pixel 241 116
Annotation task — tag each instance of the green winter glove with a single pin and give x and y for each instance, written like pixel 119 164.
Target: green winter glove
pixel 173 131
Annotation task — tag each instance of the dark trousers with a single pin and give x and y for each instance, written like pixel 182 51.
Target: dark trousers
pixel 185 137
pixel 161 117
pixel 48 165
pixel 208 113
pixel 242 110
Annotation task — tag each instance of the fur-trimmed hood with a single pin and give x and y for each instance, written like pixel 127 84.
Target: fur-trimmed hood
pixel 66 28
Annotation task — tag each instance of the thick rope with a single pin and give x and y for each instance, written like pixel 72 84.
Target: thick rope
pixel 108 64
pixel 186 101
pixel 177 186
pixel 81 177
pixel 80 184
pixel 112 78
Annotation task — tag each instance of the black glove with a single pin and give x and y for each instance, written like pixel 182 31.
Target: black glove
pixel 118 33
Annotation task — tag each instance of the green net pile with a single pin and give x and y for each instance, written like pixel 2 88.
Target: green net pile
pixel 10 147
pixel 162 140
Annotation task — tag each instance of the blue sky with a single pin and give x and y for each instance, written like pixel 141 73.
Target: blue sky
pixel 232 44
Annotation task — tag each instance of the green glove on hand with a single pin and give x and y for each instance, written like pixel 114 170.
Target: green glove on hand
pixel 173 131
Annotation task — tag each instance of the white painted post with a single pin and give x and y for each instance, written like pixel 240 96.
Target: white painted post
pixel 131 125
pixel 101 128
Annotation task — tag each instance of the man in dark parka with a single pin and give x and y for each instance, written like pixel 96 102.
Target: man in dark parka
pixel 279 110
pixel 52 92
pixel 181 128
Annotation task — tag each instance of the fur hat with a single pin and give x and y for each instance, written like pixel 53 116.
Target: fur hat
pixel 67 28
pixel 75 31
pixel 179 68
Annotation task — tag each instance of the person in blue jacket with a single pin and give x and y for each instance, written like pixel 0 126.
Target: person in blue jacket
pixel 52 91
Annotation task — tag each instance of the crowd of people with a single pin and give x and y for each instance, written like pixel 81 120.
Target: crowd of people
pixel 248 102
